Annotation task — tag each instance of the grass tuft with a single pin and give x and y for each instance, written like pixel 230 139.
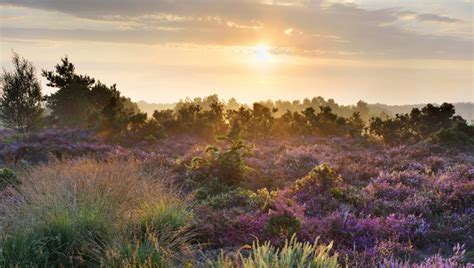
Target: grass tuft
pixel 86 213
pixel 292 254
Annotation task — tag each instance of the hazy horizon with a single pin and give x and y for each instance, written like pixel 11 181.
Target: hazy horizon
pixel 390 52
pixel 300 99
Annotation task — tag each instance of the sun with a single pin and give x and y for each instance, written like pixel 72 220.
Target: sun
pixel 262 53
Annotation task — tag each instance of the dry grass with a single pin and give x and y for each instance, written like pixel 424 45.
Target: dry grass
pixel 77 212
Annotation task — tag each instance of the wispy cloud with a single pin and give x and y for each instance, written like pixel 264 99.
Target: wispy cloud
pixel 436 18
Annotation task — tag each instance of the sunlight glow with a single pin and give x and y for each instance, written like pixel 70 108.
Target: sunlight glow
pixel 262 53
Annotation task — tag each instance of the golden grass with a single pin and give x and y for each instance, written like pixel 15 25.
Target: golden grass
pixel 82 209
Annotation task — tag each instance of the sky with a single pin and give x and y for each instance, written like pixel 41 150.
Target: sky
pixel 380 51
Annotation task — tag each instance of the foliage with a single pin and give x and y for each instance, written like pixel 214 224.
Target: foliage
pixel 435 122
pixel 8 178
pixel 21 98
pixel 321 178
pixel 319 190
pixel 229 198
pixel 71 103
pixel 226 164
pixel 81 102
pixel 254 122
pixel 309 174
pixel 193 118
pixel 282 225
pixel 459 134
pixel 374 202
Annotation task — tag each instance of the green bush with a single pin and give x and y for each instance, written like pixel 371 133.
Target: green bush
pixel 237 197
pixel 460 134
pixel 210 188
pixel 433 123
pixel 292 254
pixel 226 164
pixel 282 225
pixel 322 177
pixel 8 178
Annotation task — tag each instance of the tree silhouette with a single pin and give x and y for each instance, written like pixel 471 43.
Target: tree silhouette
pixel 21 98
pixel 71 104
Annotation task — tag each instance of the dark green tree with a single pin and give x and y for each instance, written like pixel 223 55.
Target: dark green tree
pixel 355 125
pixel 420 125
pixel 70 104
pixel 166 119
pixel 21 97
pixel 115 112
pixel 82 102
pixel 363 109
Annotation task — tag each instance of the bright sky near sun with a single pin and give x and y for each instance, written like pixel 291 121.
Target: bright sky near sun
pixel 385 51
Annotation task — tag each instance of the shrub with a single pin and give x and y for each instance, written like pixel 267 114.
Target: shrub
pixel 8 178
pixel 459 134
pixel 292 254
pixel 319 190
pixel 322 177
pixel 282 225
pixel 211 188
pixel 226 164
pixel 237 197
pixel 434 123
pixel 203 118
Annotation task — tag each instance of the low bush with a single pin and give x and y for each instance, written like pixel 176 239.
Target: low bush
pixel 226 163
pixel 459 134
pixel 236 197
pixel 8 178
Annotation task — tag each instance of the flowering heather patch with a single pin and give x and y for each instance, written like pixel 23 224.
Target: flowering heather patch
pixel 374 202
pixel 40 146
pixel 379 205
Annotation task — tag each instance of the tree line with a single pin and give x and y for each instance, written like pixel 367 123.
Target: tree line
pixel 81 101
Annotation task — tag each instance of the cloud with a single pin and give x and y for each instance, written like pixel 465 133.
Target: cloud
pixel 318 30
pixel 436 18
pixel 426 17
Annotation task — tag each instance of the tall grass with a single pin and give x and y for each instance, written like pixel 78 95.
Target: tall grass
pixel 84 212
pixel 292 254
